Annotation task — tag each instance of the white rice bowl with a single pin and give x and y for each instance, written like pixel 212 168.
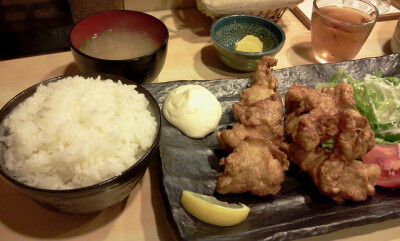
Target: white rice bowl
pixel 77 132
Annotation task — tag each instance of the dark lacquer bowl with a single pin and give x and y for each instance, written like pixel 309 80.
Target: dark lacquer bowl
pixel 226 31
pixel 141 69
pixel 91 198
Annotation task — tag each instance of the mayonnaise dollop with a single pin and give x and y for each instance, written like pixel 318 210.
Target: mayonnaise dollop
pixel 192 109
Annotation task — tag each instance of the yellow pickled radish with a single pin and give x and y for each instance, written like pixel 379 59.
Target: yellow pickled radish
pixel 250 43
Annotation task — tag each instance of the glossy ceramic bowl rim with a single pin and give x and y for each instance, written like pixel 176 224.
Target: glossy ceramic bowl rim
pixel 121 60
pixel 105 182
pixel 260 54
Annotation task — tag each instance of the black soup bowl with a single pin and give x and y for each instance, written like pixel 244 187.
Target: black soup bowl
pixel 140 69
pixel 92 198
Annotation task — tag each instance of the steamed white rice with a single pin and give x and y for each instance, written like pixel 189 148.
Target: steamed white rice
pixel 77 132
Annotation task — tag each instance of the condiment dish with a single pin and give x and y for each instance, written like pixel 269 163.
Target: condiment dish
pixel 226 31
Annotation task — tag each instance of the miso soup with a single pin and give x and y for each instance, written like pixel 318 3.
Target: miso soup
pixel 118 45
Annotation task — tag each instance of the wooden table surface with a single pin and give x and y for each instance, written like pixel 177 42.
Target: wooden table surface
pixel 190 56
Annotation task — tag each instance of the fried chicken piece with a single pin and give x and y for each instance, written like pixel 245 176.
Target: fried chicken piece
pixel 350 179
pixel 259 111
pixel 339 179
pixel 310 116
pixel 355 137
pixel 255 166
pixel 263 74
pixel 342 95
pixel 264 116
pixel 229 139
pixel 255 93
pixel 266 111
pixel 336 173
pixel 301 99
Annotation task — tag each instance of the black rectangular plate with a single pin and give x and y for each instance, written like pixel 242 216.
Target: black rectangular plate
pixel 298 210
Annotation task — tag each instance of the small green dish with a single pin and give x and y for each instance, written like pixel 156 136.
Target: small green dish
pixel 226 31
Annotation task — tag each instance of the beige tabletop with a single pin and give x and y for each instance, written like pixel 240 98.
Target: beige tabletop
pixel 190 56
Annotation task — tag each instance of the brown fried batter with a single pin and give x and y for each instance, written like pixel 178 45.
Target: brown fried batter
pixel 265 111
pixel 342 94
pixel 229 139
pixel 257 158
pixel 255 166
pixel 255 93
pixel 263 74
pixel 355 137
pixel 259 111
pixel 310 116
pixel 265 116
pixel 314 116
pixel 341 180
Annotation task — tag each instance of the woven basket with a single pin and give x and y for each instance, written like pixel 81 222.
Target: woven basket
pixel 273 15
pixel 270 9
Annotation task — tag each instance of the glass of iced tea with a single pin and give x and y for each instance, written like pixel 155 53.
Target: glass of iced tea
pixel 339 28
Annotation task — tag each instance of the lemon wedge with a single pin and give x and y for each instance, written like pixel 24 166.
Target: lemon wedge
pixel 210 210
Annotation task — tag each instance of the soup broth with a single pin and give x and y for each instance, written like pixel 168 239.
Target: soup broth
pixel 119 45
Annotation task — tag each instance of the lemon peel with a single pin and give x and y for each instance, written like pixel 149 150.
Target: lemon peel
pixel 210 210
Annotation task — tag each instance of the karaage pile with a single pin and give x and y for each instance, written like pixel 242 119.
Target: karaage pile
pixel 314 116
pixel 259 152
pixel 256 164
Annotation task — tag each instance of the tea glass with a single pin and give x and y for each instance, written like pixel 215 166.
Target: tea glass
pixel 339 28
